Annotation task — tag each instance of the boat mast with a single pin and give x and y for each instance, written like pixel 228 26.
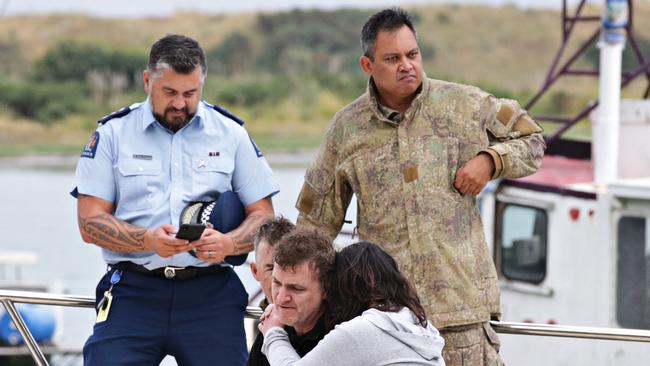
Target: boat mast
pixel 606 131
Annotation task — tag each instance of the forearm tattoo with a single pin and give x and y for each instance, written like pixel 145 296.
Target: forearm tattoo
pixel 243 235
pixel 111 233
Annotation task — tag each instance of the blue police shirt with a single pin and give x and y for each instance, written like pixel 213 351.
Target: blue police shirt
pixel 150 174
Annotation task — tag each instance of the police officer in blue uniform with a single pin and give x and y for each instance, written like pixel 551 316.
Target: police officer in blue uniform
pixel 140 168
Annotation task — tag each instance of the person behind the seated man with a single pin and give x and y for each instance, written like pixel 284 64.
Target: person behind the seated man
pixel 267 236
pixel 304 261
pixel 379 316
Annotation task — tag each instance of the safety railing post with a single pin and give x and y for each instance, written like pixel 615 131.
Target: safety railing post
pixel 35 350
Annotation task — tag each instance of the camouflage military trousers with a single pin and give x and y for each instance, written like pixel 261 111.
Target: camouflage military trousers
pixel 471 345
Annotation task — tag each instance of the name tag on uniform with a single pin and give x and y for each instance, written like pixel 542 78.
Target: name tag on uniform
pixel 142 157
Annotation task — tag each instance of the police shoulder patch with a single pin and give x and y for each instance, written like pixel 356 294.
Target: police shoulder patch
pixel 117 114
pixel 226 113
pixel 91 146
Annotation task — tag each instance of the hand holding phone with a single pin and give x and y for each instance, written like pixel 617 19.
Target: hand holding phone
pixel 190 232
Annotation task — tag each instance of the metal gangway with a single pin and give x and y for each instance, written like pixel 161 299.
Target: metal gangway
pixel 9 297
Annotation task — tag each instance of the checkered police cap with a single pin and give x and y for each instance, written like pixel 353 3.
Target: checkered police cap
pixel 225 214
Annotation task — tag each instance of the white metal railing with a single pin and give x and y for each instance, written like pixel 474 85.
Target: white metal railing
pixel 9 297
pixel 612 334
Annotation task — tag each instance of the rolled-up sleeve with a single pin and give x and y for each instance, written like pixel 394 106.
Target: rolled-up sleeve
pixel 516 143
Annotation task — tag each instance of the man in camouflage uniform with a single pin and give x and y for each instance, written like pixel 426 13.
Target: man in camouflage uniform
pixel 415 152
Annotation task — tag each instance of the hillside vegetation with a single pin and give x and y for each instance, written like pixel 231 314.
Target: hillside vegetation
pixel 285 73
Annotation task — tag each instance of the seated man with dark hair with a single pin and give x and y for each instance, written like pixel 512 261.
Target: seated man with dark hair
pixel 376 315
pixel 304 261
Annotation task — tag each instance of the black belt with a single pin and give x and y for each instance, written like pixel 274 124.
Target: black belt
pixel 170 272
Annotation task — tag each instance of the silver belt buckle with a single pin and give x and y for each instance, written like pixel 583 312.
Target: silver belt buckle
pixel 170 272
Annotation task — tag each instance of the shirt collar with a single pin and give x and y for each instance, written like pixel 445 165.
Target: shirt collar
pixel 199 117
pixel 384 113
pixel 147 114
pixel 315 334
pixel 391 114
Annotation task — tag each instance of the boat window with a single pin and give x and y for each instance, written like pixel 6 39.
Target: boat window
pixel 633 274
pixel 523 243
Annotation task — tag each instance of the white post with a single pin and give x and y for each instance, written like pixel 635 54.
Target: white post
pixel 606 133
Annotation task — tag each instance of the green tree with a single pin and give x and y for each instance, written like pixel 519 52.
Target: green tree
pixel 74 61
pixel 43 101
pixel 233 55
pixel 247 91
pixel 330 37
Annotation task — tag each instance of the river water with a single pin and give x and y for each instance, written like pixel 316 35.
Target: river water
pixel 39 216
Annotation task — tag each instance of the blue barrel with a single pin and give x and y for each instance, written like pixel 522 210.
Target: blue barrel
pixel 39 319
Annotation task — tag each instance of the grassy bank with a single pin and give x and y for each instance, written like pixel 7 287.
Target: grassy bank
pixel 285 73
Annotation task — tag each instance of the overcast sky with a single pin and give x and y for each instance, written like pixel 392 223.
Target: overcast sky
pixel 138 8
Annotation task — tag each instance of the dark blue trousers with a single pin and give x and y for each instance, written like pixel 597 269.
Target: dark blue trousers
pixel 199 321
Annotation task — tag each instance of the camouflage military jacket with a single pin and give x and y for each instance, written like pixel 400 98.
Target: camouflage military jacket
pixel 402 175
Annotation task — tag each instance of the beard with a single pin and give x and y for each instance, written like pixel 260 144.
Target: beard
pixel 174 119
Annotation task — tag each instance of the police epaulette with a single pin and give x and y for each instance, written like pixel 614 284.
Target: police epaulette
pixel 117 114
pixel 226 113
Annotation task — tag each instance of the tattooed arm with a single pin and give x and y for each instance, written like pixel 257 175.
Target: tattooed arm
pixel 215 246
pixel 256 213
pixel 98 226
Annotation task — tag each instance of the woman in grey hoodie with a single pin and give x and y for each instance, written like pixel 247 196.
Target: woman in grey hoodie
pixel 379 318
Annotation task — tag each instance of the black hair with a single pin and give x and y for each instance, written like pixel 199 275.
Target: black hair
pixel 368 277
pixel 387 20
pixel 183 54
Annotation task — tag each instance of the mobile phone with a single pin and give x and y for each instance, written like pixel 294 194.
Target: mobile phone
pixel 190 232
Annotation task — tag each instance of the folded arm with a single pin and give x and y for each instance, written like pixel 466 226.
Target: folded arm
pixel 516 147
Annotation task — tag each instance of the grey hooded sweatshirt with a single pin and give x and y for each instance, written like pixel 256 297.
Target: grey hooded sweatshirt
pixel 373 338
